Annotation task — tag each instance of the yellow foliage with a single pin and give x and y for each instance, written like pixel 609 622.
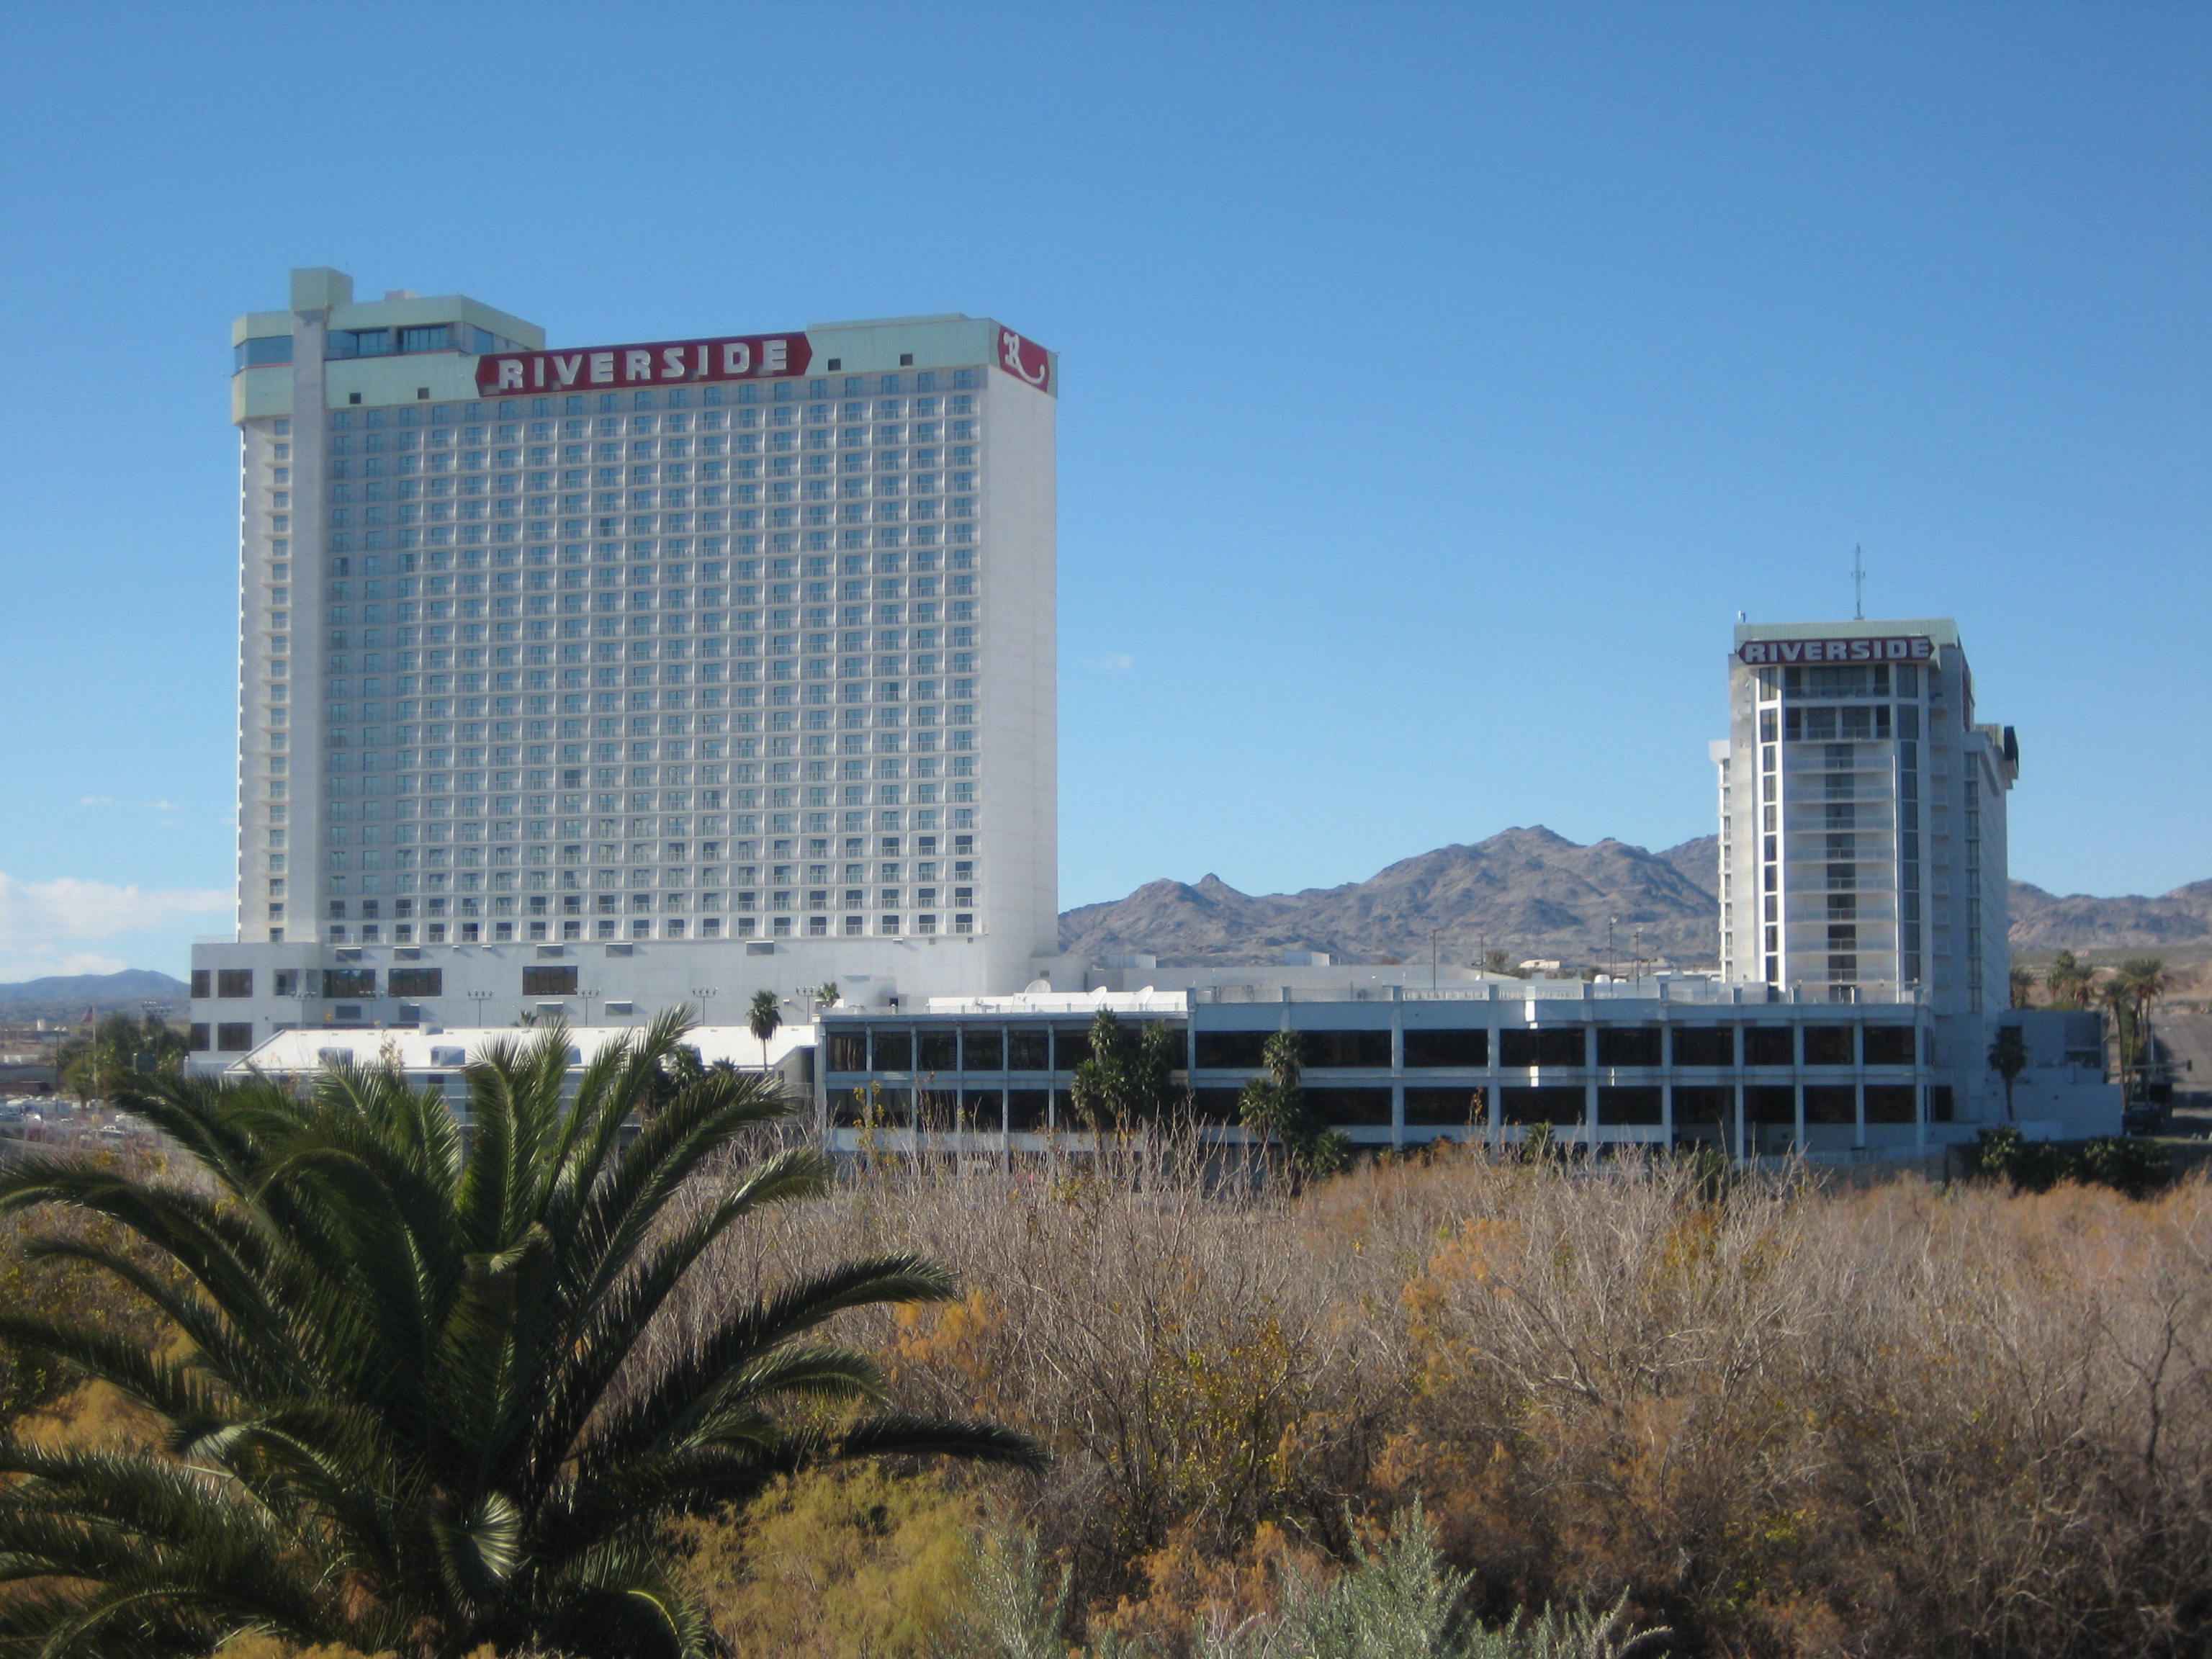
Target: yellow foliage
pixel 852 1564
pixel 92 1417
pixel 1186 1583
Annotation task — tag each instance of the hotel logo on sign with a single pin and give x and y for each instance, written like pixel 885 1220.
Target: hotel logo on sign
pixel 665 363
pixel 1915 648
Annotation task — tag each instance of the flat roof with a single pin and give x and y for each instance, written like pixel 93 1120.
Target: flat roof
pixel 1941 629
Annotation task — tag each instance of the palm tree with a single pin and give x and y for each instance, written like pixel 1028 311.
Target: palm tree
pixel 2009 1059
pixel 2023 986
pixel 763 1016
pixel 409 1402
pixel 2067 979
pixel 1273 1107
pixel 2143 981
pixel 2113 994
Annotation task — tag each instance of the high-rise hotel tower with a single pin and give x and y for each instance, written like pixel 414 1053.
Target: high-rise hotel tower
pixel 1863 817
pixel 633 674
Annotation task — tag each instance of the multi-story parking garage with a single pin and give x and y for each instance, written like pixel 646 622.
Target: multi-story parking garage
pixel 1651 1063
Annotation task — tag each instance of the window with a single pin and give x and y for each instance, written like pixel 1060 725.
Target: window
pixel 202 982
pixel 1232 1051
pixel 1704 1045
pixel 1553 1045
pixel 233 981
pixel 1628 1045
pixel 1546 1105
pixel 233 1038
pixel 1828 1045
pixel 1888 1102
pixel 1351 1107
pixel 1070 1049
pixel 348 982
pixel 1028 1051
pixel 1830 1103
pixel 1695 1108
pixel 266 349
pixel 1766 1104
pixel 1446 1049
pixel 1340 1050
pixel 417 982
pixel 198 1038
pixel 1443 1107
pixel 1768 1045
pixel 893 1051
pixel 983 1051
pixel 549 981
pixel 438 338
pixel 1639 1105
pixel 937 1051
pixel 1890 1045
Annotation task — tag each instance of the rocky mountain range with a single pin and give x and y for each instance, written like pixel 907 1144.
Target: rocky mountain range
pixel 1530 892
pixel 1527 891
pixel 2180 920
pixel 66 996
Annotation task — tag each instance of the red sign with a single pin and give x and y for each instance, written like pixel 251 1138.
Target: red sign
pixel 665 363
pixel 1025 360
pixel 1914 648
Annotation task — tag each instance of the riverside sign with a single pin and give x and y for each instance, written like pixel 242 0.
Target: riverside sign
pixel 1915 648
pixel 665 363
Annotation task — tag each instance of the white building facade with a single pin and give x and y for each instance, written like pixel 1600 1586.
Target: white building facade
pixel 1863 817
pixel 633 674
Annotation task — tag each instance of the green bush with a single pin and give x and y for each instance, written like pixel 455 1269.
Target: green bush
pixel 1399 1600
pixel 2136 1168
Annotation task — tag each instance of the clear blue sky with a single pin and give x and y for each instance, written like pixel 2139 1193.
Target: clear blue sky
pixel 1439 382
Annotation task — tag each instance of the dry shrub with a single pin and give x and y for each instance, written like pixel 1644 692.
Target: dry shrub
pixel 69 1292
pixel 1186 1586
pixel 1786 1419
pixel 842 1564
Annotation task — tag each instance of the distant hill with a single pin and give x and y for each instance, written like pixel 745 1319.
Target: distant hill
pixel 1532 893
pixel 2042 921
pixel 67 996
pixel 1527 891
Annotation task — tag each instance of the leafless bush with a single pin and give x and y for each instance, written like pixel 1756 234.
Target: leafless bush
pixel 1785 1420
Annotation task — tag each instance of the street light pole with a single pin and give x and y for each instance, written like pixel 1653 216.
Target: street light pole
pixel 479 997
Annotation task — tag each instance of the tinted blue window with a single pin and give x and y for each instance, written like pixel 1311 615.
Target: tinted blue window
pixel 266 349
pixel 438 338
pixel 363 343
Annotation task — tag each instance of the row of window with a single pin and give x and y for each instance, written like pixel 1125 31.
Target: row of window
pixel 608 414
pixel 643 927
pixel 892 615
pixel 435 539
pixel 1710 1111
pixel 711 550
pixel 888 478
pixel 1062 1050
pixel 574 773
pixel 402 429
pixel 616 882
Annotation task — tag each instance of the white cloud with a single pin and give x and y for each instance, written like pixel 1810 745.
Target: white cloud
pixel 1118 663
pixel 45 927
pixel 130 806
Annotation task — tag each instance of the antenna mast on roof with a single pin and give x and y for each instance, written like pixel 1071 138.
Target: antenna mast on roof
pixel 1858 583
